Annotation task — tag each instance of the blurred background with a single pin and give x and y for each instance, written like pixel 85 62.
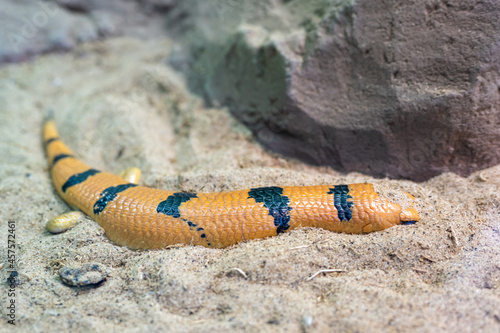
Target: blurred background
pixel 398 89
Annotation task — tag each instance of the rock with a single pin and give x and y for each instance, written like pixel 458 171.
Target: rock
pixel 392 89
pixel 86 275
pixel 34 27
pixel 14 280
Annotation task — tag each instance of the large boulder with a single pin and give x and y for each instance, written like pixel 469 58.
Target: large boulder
pixel 404 89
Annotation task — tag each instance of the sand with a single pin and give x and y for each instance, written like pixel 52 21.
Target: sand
pixel 117 104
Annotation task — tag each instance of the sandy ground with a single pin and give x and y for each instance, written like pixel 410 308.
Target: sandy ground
pixel 118 105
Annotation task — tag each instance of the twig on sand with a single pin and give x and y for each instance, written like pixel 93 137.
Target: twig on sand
pixel 325 271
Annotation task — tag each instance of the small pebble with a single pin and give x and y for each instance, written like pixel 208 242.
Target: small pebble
pixel 14 279
pixel 306 321
pixel 85 275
